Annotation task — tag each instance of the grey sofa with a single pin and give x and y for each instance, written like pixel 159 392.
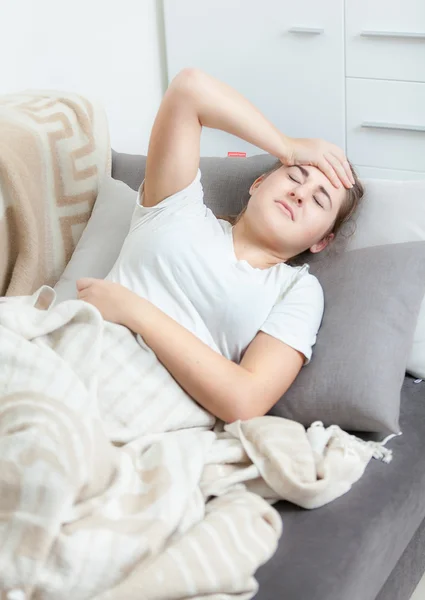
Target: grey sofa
pixel 370 543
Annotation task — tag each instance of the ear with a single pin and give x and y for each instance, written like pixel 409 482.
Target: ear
pixel 256 184
pixel 322 244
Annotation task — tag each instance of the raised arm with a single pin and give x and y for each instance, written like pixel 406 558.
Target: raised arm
pixel 173 153
pixel 195 99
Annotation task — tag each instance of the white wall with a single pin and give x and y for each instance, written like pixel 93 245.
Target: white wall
pixel 112 50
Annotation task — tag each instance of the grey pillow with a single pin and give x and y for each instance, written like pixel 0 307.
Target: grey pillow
pixel 372 301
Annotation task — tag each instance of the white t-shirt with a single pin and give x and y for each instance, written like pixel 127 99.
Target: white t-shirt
pixel 180 257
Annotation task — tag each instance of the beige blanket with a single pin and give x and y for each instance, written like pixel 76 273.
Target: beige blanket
pixel 115 484
pixel 54 153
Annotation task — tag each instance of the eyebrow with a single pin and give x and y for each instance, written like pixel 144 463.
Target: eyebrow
pixel 321 188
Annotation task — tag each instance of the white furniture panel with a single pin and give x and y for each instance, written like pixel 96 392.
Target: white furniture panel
pixel 352 72
pixel 386 124
pixel 287 58
pixel 385 39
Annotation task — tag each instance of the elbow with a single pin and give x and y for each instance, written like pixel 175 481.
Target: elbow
pixel 187 80
pixel 188 86
pixel 189 72
pixel 233 411
pixel 243 407
pixel 242 415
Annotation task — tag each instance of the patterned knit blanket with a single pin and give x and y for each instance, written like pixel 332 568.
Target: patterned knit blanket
pixel 54 153
pixel 115 483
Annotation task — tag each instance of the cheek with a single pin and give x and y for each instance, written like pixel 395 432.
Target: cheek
pixel 314 227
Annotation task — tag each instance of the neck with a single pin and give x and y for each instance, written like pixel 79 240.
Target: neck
pixel 248 246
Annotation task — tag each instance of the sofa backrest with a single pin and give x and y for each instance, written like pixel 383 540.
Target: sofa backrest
pixel 226 180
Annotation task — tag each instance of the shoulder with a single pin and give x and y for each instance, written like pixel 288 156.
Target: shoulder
pixel 296 317
pixel 225 226
pixel 192 191
pixel 300 280
pixel 305 290
pixel 309 283
pixel 183 206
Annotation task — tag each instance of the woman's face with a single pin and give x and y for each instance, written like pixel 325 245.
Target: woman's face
pixel 293 208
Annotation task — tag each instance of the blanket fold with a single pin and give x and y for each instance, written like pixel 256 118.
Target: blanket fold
pixel 115 483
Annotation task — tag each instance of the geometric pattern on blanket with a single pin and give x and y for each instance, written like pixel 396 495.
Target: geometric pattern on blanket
pixel 115 483
pixel 54 153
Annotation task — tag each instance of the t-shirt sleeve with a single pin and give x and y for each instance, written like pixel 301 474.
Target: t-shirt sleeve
pixel 296 318
pixel 188 202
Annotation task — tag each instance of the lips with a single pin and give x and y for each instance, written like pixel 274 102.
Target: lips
pixel 288 208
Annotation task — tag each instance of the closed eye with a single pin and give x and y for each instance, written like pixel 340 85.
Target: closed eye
pixel 322 189
pixel 293 179
pixel 315 199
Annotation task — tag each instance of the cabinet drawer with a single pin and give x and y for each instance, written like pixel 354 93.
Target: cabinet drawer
pixel 385 40
pixel 386 124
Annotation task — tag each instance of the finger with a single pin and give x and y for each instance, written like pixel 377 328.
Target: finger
pixel 339 169
pixel 326 168
pixel 349 172
pixel 340 155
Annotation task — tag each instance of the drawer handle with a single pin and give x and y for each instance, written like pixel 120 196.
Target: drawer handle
pixel 394 34
pixel 377 125
pixel 313 30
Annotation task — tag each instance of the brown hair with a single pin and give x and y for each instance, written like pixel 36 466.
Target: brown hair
pixel 343 218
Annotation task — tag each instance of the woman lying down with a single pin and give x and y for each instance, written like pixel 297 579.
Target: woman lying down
pixel 98 503
pixel 216 300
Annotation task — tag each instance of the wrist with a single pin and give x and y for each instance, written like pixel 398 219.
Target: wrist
pixel 286 155
pixel 134 314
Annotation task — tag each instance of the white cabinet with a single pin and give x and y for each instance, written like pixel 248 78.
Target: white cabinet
pixel 386 124
pixel 385 85
pixel 285 57
pixel 351 72
pixel 385 39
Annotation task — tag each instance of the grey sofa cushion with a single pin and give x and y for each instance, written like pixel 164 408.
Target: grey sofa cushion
pixel 226 181
pixel 347 549
pixel 372 300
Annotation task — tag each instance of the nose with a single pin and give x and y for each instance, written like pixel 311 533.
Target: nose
pixel 297 196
